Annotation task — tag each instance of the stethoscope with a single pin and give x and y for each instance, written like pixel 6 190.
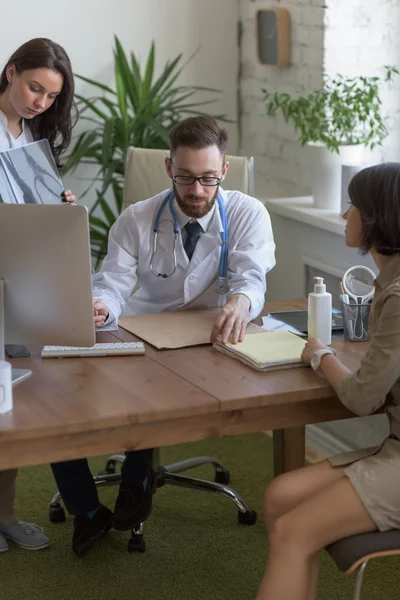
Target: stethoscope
pixel 222 287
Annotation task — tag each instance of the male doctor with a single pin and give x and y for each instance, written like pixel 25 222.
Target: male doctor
pixel 185 267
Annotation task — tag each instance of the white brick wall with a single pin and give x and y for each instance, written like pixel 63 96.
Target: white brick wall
pixel 348 36
pixel 361 37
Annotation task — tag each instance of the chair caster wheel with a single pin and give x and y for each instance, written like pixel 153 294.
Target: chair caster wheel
pixel 109 470
pixel 105 472
pixel 223 477
pixel 247 518
pixel 136 544
pixel 56 514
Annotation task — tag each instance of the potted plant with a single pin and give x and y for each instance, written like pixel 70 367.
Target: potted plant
pixel 139 112
pixel 341 118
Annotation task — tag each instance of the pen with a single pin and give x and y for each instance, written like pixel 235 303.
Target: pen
pixel 345 299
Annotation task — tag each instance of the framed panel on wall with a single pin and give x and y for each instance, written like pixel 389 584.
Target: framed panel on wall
pixel 273 36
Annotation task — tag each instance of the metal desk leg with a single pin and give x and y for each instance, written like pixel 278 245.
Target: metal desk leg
pixel 289 449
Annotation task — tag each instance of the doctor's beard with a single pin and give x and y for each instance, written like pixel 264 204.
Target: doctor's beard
pixel 186 205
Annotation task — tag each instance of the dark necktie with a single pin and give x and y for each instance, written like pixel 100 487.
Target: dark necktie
pixel 193 232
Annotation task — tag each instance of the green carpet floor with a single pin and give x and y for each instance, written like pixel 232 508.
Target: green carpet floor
pixel 195 548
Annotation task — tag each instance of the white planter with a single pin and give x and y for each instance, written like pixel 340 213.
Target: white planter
pixel 352 160
pixel 326 168
pixel 348 172
pixel 351 155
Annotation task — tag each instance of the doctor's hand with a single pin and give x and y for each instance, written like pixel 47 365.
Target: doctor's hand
pixel 232 321
pixel 101 313
pixel 68 196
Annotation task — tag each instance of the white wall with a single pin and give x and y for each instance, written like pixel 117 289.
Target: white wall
pixel 361 37
pixel 279 159
pixel 86 28
pixel 353 37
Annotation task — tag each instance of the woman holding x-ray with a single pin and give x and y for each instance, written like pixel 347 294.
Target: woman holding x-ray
pixel 36 100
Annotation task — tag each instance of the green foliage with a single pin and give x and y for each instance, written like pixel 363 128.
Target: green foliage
pixel 346 110
pixel 138 112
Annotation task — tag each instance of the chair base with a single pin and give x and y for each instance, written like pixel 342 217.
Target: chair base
pixel 359 581
pixel 167 475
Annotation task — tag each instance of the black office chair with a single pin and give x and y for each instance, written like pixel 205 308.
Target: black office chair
pixel 167 474
pixel 353 553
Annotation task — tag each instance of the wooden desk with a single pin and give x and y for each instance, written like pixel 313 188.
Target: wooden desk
pixel 72 408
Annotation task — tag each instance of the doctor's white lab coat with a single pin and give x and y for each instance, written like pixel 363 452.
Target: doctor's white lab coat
pixel 193 285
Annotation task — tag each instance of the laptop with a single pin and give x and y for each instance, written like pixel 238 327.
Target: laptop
pixel 299 319
pixel 29 175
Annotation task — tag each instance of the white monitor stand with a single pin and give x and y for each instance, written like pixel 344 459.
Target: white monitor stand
pixel 18 375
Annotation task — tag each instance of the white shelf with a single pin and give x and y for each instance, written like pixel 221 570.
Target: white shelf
pixel 302 209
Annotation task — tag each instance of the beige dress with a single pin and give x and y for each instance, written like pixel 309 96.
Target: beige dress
pixel 375 472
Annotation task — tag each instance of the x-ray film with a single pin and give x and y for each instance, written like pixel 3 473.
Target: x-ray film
pixel 29 175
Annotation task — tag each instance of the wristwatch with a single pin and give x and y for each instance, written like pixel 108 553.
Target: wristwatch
pixel 317 356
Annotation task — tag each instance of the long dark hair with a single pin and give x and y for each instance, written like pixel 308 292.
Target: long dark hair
pixel 56 122
pixel 375 191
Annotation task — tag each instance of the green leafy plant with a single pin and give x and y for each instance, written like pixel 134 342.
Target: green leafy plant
pixel 346 110
pixel 139 112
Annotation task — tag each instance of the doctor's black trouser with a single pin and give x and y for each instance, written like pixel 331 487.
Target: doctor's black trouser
pixel 77 487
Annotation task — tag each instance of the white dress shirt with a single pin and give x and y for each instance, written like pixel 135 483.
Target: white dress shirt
pixel 126 268
pixel 8 141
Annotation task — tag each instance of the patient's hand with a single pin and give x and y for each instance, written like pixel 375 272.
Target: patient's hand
pixel 232 321
pixel 101 312
pixel 310 348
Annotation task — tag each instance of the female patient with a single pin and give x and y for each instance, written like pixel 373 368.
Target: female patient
pixel 358 491
pixel 36 99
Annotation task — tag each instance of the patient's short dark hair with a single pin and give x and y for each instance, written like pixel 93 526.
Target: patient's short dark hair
pixel 375 191
pixel 198 133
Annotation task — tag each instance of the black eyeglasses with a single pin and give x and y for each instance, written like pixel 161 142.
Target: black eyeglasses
pixel 189 180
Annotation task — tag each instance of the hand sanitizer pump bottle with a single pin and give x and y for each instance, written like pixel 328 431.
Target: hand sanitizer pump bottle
pixel 320 313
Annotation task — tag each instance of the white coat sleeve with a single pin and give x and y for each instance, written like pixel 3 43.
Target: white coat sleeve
pixel 115 281
pixel 252 257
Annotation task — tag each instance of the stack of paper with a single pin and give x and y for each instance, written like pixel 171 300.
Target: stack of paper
pixel 267 350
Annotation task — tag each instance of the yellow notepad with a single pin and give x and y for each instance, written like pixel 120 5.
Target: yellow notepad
pixel 267 350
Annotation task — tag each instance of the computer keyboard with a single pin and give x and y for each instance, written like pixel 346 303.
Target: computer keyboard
pixel 109 349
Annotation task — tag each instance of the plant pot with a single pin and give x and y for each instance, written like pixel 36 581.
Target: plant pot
pixel 348 172
pixel 326 178
pixel 352 158
pixel 351 154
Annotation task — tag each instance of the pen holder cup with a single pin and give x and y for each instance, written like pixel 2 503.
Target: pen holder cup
pixel 355 321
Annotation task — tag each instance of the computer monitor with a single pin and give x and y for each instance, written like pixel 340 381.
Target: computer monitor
pixel 45 274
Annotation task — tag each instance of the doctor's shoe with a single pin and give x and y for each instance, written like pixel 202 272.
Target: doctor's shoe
pixel 134 502
pixel 27 535
pixel 3 544
pixel 88 531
